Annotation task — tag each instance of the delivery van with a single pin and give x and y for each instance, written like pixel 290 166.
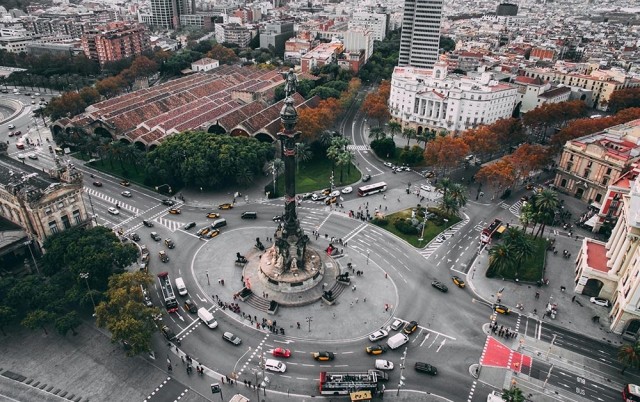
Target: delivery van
pixel 275 365
pixel 206 317
pixel 397 340
pixel 182 289
pixel 218 223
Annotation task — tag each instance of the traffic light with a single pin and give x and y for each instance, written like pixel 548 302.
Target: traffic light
pixel 215 388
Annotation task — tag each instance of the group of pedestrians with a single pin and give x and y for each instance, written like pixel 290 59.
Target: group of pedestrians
pixel 502 331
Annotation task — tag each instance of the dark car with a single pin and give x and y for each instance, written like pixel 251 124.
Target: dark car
pixel 426 368
pixel 97 184
pixel 168 333
pixel 366 177
pixel 135 237
pixel 168 202
pixel 229 337
pixel 277 218
pixel 190 306
pixel 410 327
pixel 155 236
pixel 148 224
pixel 189 225
pixel 125 183
pixel 323 356
pixel 169 243
pixel 440 286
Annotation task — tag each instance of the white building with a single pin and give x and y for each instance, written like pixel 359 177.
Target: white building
pixel 430 98
pixel 204 64
pixel 359 39
pixel 612 270
pixel 375 22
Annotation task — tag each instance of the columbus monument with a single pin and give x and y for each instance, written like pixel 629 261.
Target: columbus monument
pixel 289 266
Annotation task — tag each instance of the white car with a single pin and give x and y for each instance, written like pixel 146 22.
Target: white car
pixel 21 157
pixel 318 197
pixel 600 301
pixel 32 156
pixel 113 211
pixel 426 188
pixel 126 194
pixel 335 193
pixel 347 190
pixel 388 164
pixel 11 126
pixel 397 324
pixel 379 334
pixel 382 364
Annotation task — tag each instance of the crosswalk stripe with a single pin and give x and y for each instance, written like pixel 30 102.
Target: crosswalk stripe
pixel 358 148
pixel 110 200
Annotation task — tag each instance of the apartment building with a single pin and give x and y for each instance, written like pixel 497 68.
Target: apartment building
pixel 611 270
pixel 233 33
pixel 115 41
pixel 376 23
pixel 431 98
pixel 324 53
pixel 589 164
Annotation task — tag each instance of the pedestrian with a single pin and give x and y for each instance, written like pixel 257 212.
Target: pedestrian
pixel 573 299
pixel 384 196
pixel 182 358
pixel 222 380
pixel 357 300
pixel 169 368
pixel 364 300
pixel 298 324
pixel 385 275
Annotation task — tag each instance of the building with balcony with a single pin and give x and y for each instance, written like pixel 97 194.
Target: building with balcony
pixel 115 41
pixel 42 204
pixel 376 23
pixel 424 98
pixel 612 204
pixel 233 33
pixel 611 270
pixel 589 164
pixel 324 53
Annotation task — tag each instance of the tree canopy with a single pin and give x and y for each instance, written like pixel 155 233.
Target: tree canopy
pixel 207 160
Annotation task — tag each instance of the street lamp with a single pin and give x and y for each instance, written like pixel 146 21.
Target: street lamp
pixel 28 244
pixel 236 365
pixel 402 360
pixel 309 319
pixel 85 276
pixel 424 223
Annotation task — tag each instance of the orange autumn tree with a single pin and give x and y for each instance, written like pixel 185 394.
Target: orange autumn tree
pixel 313 121
pixel 509 131
pixel 375 103
pixel 446 152
pixel 482 141
pixel 500 174
pixel 528 158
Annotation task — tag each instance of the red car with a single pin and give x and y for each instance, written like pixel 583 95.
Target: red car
pixel 280 352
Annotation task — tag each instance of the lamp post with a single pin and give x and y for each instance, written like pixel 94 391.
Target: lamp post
pixel 85 276
pixel 309 319
pixel 331 178
pixel 402 360
pixel 207 273
pixel 236 365
pixel 424 223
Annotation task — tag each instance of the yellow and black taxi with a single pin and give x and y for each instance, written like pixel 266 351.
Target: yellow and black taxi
pixel 203 231
pixel 169 243
pixel 410 327
pixel 226 205
pixel 331 200
pixel 163 256
pixel 326 191
pixel 190 306
pixel 501 309
pixel 213 233
pixel 213 215
pixel 175 211
pixel 323 356
pixel 458 282
pixel 375 349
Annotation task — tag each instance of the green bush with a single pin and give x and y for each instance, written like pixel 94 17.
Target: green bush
pixel 380 221
pixel 405 226
pixel 384 148
pixel 411 156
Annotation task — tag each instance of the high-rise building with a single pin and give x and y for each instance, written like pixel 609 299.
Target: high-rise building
pixel 420 39
pixel 166 13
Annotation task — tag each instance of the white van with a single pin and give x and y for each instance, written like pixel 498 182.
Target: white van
pixel 206 316
pixel 182 290
pixel 397 340
pixel 218 223
pixel 275 365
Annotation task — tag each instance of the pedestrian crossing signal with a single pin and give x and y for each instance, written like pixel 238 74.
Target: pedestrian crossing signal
pixel 215 388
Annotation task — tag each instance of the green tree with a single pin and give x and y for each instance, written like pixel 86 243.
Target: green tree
pixel 545 204
pixel 377 133
pixel 455 199
pixel 68 322
pixel 303 153
pixel 409 133
pixel 7 316
pixel 629 356
pixel 38 319
pixel 444 185
pixel 520 244
pixel 500 259
pixel 394 127
pixel 513 394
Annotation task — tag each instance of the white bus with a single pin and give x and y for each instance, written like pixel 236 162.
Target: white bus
pixel 372 189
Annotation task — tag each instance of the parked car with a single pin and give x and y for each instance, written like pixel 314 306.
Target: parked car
pixel 323 356
pixel 318 197
pixel 377 335
pixel 168 333
pixel 600 301
pixel 440 286
pixel 410 327
pixel 229 337
pixel 396 325
pixel 335 193
pixel 213 233
pixel 388 164
pixel 155 236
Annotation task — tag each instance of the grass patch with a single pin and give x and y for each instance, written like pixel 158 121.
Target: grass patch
pixel 431 230
pixel 531 269
pixel 315 175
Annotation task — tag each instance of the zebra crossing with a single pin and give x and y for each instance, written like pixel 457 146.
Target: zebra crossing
pixel 515 208
pixel 358 148
pixel 91 192
pixel 504 205
pixel 437 242
pixel 170 224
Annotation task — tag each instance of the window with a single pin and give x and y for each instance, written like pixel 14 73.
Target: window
pixel 65 222
pixel 587 172
pixel 608 171
pixel 53 227
pixel 598 197
pixel 569 166
pixel 563 183
pixel 571 157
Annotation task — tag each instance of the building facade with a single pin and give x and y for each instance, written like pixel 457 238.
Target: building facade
pixel 115 41
pixel 324 53
pixel 275 35
pixel 431 98
pixel 611 270
pixel 376 23
pixel 41 204
pixel 358 40
pixel 420 38
pixel 589 164
pixel 233 33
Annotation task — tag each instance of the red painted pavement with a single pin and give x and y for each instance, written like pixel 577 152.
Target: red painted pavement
pixel 498 355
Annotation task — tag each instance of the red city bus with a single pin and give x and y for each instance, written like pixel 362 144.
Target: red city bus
pixel 631 393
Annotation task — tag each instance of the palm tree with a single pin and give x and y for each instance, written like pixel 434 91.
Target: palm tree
pixel 444 184
pixel 377 133
pixel 527 215
pixel 500 258
pixel 343 160
pixel 408 133
pixel 303 153
pixel 449 205
pixel 325 138
pixel 629 356
pixel 275 167
pixel 513 394
pixel 458 193
pixel 545 203
pixel 520 244
pixel 394 128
